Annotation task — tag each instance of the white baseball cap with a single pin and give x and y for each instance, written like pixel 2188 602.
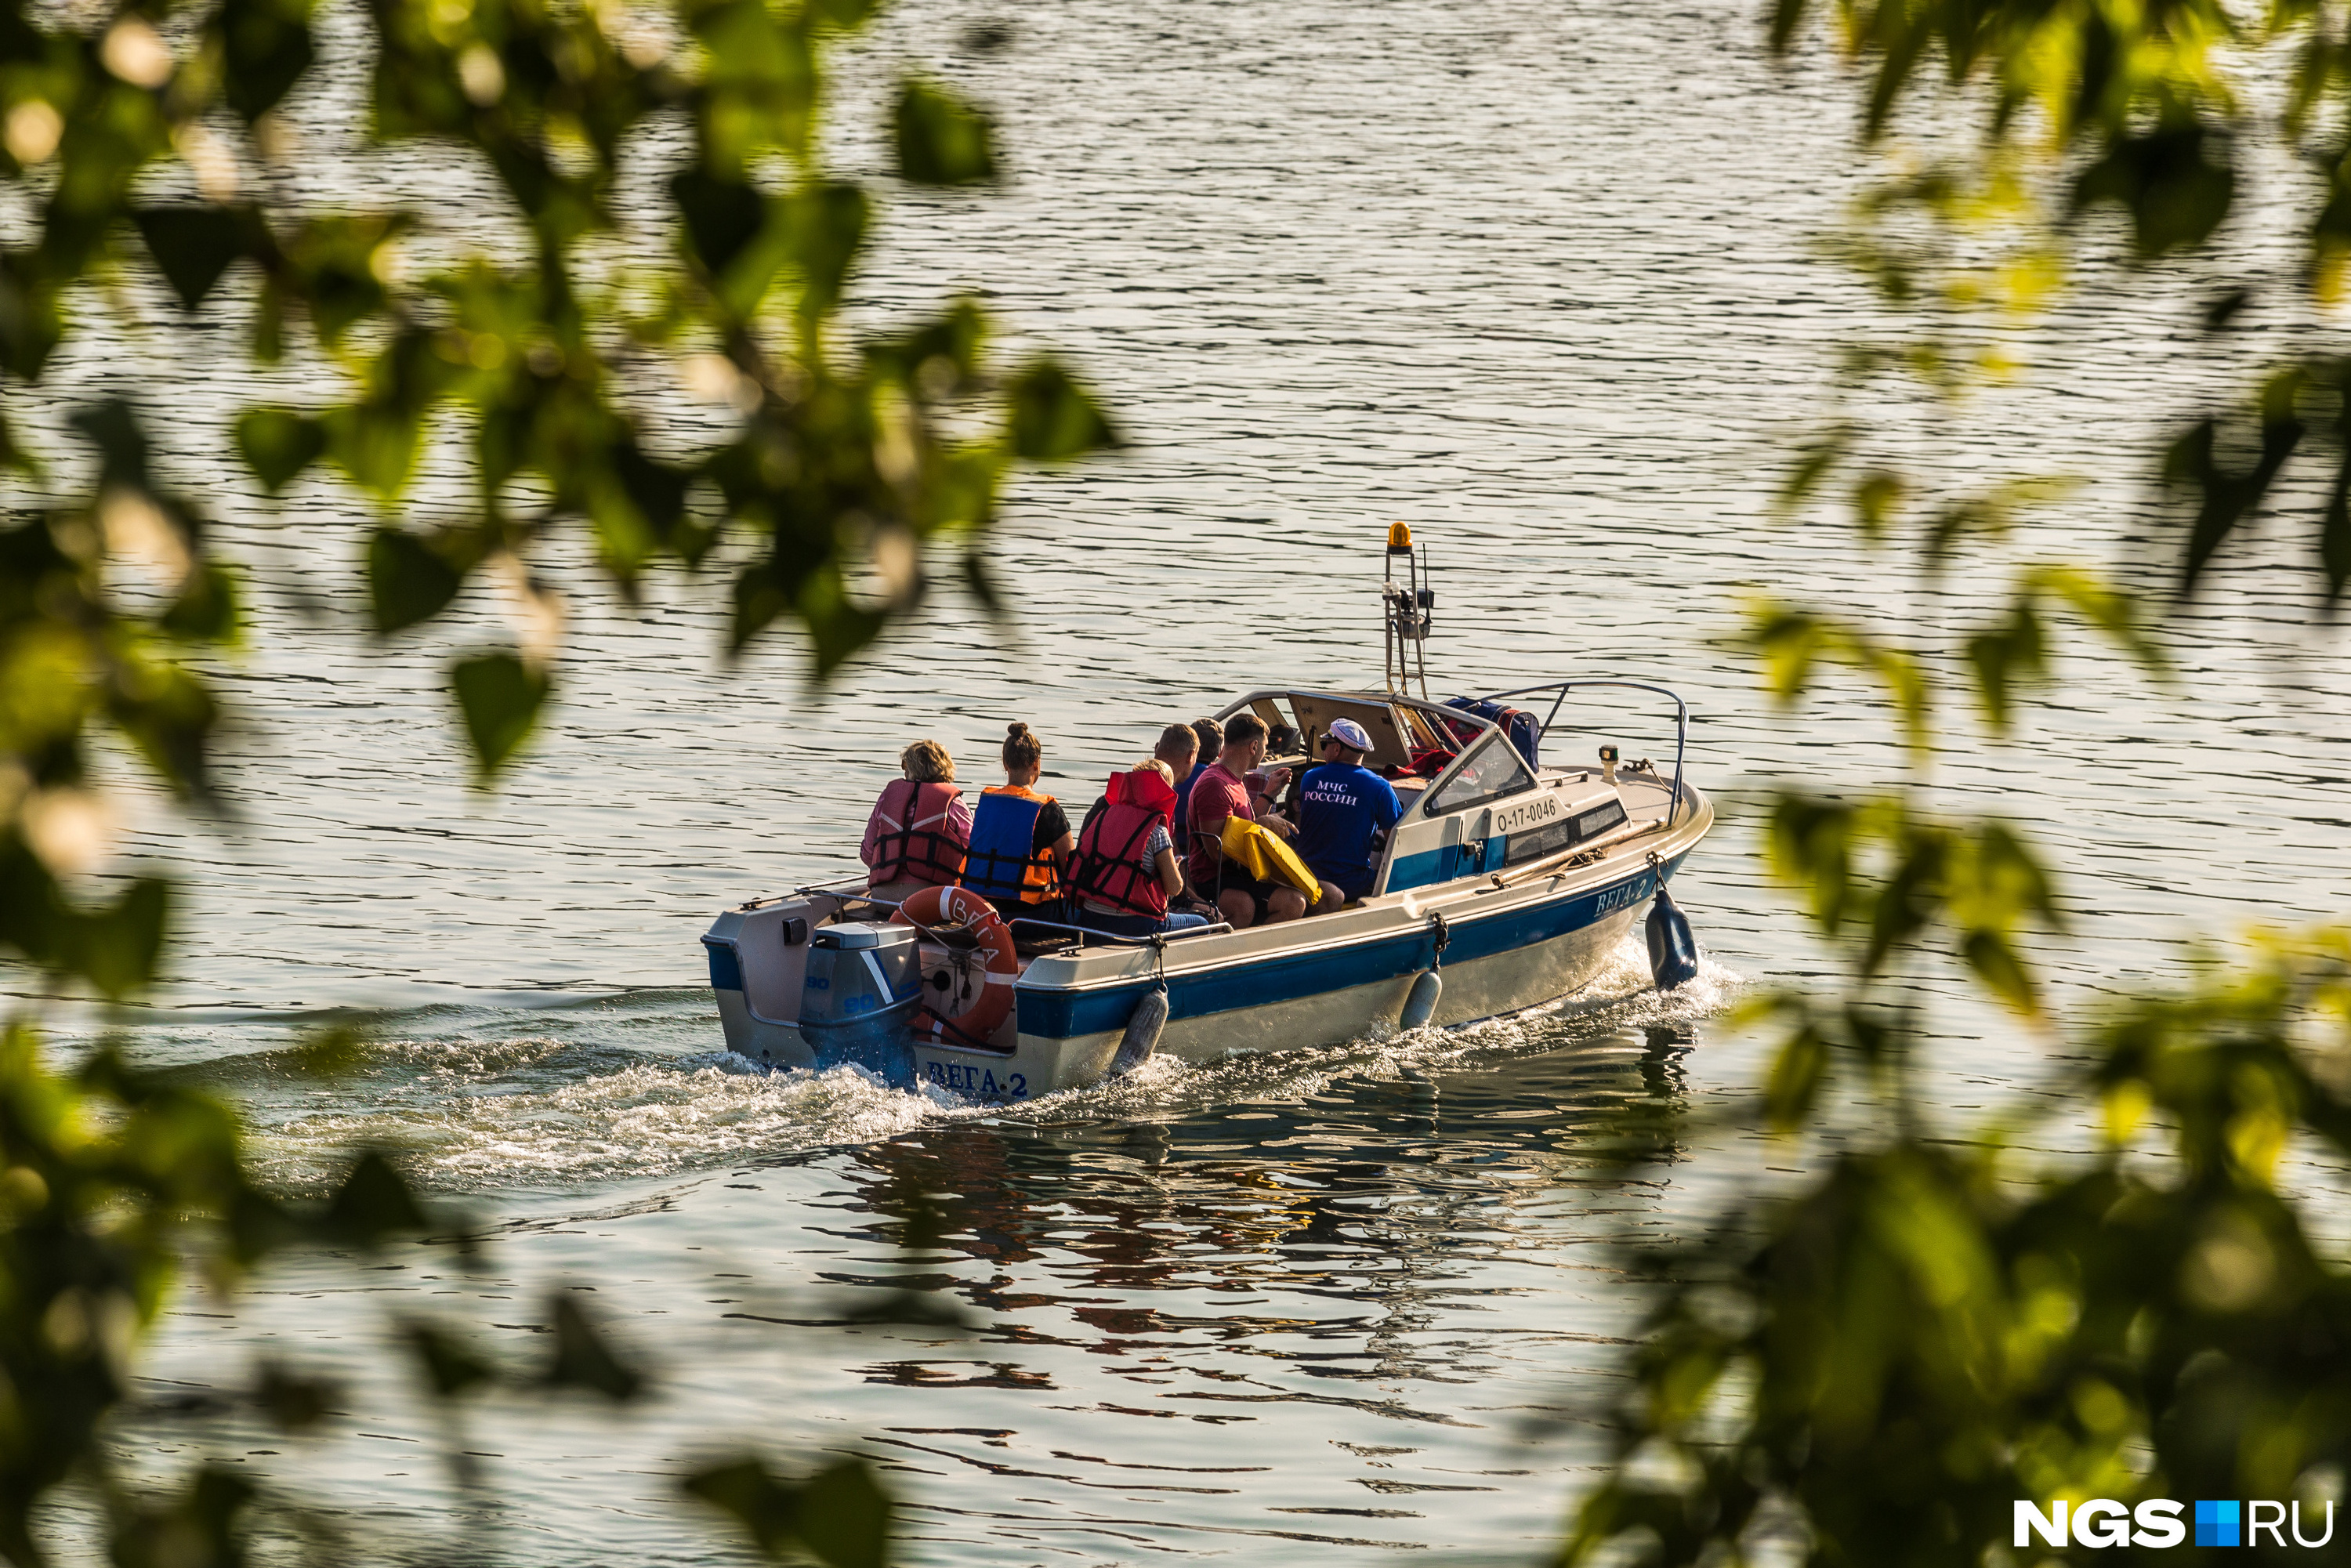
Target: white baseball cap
pixel 1348 733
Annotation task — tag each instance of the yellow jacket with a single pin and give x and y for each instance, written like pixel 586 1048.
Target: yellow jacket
pixel 1265 857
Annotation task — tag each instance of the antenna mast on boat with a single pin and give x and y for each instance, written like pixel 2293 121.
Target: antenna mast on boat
pixel 1404 658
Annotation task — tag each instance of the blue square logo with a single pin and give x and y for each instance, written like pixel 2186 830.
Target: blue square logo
pixel 2216 1523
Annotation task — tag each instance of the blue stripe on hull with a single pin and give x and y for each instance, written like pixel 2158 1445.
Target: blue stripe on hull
pixel 1063 1014
pixel 1430 867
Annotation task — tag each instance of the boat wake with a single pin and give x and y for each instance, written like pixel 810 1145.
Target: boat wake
pixel 577 1101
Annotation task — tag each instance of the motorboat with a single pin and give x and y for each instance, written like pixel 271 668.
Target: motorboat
pixel 1509 881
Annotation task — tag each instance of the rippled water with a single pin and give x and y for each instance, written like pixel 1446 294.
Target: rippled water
pixel 1540 279
pixel 1329 1299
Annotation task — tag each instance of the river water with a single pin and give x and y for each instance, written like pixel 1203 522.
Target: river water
pixel 1542 279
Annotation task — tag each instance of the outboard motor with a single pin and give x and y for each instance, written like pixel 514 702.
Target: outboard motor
pixel 1673 948
pixel 864 982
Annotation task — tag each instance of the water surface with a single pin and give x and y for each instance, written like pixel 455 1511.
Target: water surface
pixel 1539 279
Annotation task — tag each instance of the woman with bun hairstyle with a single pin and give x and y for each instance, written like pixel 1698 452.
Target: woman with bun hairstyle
pixel 917 834
pixel 1020 840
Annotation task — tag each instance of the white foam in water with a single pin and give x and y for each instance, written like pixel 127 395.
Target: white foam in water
pixel 646 1118
pixel 480 1113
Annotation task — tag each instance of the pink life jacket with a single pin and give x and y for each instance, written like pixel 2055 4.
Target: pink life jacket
pixel 918 840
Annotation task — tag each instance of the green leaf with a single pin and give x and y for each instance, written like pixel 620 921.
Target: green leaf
pixel 14 455
pixel 838 630
pixel 450 1366
pixel 333 1050
pixel 294 1403
pixel 2108 610
pixel 1811 848
pixel 266 47
pixel 844 1517
pixel 31 330
pixel 278 444
pixel 119 948
pixel 499 697
pixel 940 359
pixel 373 1202
pixel 167 713
pixel 2335 529
pixel 759 598
pixel 335 267
pixel 2175 181
pixel 1799 1071
pixel 2004 657
pixel 644 510
pixel 583 1359
pixel 202 1526
pixel 377 439
pixel 841 1516
pixel 1907 901
pixel 722 216
pixel 207 609
pixel 1876 496
pixel 825 227
pixel 1793 642
pixel 1053 419
pixel 193 245
pixel 1994 959
pixel 1787 15
pixel 980 583
pixel 408 581
pixel 112 426
pixel 767 1507
pixel 940 139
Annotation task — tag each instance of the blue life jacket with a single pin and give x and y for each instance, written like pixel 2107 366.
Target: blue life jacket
pixel 1003 860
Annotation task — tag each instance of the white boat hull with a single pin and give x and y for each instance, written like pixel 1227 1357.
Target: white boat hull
pixel 1500 946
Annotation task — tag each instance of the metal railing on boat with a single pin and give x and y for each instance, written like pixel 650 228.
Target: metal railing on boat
pixel 1681 719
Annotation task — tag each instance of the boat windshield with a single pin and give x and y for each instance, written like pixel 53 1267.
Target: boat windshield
pixel 1491 770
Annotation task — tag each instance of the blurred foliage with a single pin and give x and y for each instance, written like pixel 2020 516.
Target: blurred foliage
pixel 113 1182
pixel 150 133
pixel 154 133
pixel 1875 1364
pixel 840 1516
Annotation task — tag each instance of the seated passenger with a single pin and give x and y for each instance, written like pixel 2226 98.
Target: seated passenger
pixel 1020 840
pixel 1210 735
pixel 1345 813
pixel 1125 870
pixel 1179 749
pixel 920 827
pixel 1220 792
pixel 1281 741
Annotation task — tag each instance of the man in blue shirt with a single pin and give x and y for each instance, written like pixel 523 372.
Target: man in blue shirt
pixel 1344 813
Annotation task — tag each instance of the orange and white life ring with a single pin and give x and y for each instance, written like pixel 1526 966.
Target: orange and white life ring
pixel 960 906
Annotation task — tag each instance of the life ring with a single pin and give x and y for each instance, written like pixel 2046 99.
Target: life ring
pixel 960 906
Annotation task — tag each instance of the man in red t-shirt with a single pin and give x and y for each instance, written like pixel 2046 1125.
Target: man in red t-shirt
pixel 1220 791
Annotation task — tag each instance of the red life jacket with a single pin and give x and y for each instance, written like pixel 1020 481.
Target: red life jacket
pixel 1109 867
pixel 918 840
